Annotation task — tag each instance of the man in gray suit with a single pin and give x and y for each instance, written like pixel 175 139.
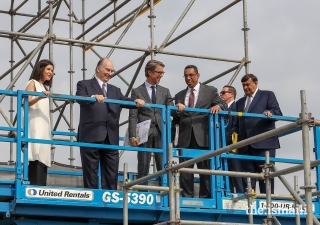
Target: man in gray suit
pixel 194 129
pixel 151 92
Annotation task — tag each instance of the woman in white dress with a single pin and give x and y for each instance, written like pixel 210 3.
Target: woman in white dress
pixel 39 155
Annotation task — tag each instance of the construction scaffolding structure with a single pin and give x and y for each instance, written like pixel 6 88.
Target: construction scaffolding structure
pixel 40 29
pixel 46 36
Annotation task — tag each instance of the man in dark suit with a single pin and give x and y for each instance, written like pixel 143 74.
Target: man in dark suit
pixel 261 102
pixel 99 123
pixel 228 95
pixel 194 129
pixel 151 92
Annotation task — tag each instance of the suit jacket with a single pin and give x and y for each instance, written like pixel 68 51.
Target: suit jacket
pixel 231 120
pixel 163 97
pixel 97 120
pixel 208 97
pixel 247 127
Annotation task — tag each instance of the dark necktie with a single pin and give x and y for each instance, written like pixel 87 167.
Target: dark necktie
pixel 191 99
pixel 247 105
pixel 104 90
pixel 153 95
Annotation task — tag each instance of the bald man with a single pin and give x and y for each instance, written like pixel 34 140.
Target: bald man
pixel 99 124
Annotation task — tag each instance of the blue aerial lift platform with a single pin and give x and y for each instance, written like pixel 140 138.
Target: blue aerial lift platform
pixel 22 203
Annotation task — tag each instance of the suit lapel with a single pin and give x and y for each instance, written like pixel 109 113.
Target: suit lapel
pixel 202 92
pixel 255 100
pixel 231 106
pixel 144 92
pixel 159 95
pixel 96 86
pixel 110 93
pixel 182 96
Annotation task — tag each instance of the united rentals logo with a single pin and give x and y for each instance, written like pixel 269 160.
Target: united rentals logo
pixel 32 192
pixel 59 194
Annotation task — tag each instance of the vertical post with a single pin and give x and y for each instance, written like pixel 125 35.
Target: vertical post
pixel 83 38
pixel 245 32
pixel 19 134
pixel 297 205
pixel 152 16
pixel 306 157
pixel 125 194
pixel 268 188
pixel 50 2
pixel 39 7
pixel 212 122
pixel 249 194
pixel 71 77
pixel 26 135
pixel 11 79
pixel 171 186
pixel 115 12
pixel 18 147
pixel 177 196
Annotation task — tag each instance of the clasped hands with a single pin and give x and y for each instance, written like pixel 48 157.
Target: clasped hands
pixel 213 109
pixel 101 98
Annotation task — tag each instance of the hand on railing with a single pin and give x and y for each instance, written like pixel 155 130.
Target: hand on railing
pixel 12 134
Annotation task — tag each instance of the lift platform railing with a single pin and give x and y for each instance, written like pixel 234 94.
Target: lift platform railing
pixel 216 146
pixel 22 139
pixel 214 123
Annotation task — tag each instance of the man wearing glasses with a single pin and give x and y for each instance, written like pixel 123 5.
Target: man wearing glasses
pixel 194 129
pixel 228 95
pixel 151 92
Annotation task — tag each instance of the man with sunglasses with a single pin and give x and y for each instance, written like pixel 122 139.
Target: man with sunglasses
pixel 194 129
pixel 228 95
pixel 151 92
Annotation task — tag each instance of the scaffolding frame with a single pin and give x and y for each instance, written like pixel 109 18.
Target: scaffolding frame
pixel 50 11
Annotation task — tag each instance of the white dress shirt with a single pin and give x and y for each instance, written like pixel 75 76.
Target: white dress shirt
pixel 101 83
pixel 149 89
pixel 230 103
pixel 196 95
pixel 252 96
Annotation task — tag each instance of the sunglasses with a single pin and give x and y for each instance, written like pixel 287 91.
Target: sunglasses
pixel 223 92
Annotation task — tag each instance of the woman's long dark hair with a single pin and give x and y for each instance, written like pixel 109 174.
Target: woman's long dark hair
pixel 38 69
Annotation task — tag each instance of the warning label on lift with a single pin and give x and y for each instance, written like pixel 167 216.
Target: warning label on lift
pixel 227 203
pixel 59 193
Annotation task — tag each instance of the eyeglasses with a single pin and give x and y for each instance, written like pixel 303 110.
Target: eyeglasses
pixel 189 75
pixel 223 92
pixel 159 72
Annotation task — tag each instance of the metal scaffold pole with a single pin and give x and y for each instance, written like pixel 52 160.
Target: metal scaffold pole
pixel 11 78
pixel 84 70
pixel 268 188
pixel 245 34
pixel 71 72
pixel 125 194
pixel 296 204
pixel 152 16
pixel 50 2
pixel 306 157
